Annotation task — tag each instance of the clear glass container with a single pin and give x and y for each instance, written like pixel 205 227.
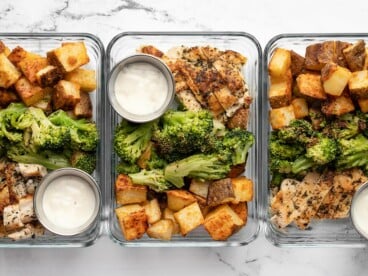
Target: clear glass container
pixel 126 44
pixel 338 232
pixel 41 43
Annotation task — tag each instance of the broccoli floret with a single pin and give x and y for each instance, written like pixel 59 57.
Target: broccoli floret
pixel 10 120
pixel 83 133
pixel 182 133
pixel 297 131
pixel 237 142
pixel 45 134
pixel 51 160
pixel 353 152
pixel 281 150
pixel 154 179
pixel 281 166
pixel 130 140
pixel 85 161
pixel 200 166
pixel 322 150
pixel 155 161
pixel 127 168
pixel 301 165
pixel 343 127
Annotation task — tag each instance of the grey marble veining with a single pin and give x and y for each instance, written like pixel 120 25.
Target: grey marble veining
pixel 263 19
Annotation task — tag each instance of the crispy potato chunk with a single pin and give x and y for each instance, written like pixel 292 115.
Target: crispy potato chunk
pixel 84 77
pixel 132 220
pixel 162 230
pixel 199 187
pixel 222 222
pixel 126 192
pixel 334 78
pixel 219 192
pixel 8 73
pixel 69 56
pixel 189 218
pixel 363 104
pixel 297 63
pixel 358 84
pixel 83 109
pixel 243 189
pixel 178 199
pixel 46 102
pixel 310 85
pixel 300 107
pixel 66 95
pixel 338 106
pixel 280 63
pixel 169 214
pixel 29 93
pixel 280 117
pixel 4 49
pixel 355 55
pixel 31 65
pixel 48 76
pixel 241 209
pixel 279 93
pixel 153 211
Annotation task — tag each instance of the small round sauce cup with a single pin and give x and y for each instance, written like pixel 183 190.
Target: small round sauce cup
pixel 359 210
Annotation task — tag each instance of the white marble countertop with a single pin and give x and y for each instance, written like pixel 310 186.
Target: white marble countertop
pixel 263 19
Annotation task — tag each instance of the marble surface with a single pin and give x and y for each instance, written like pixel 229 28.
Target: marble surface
pixel 263 19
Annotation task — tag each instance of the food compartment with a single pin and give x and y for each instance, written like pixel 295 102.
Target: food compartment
pixel 312 87
pixel 127 44
pixel 72 65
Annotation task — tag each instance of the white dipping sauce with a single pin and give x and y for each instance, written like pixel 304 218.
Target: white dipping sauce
pixel 360 212
pixel 68 202
pixel 141 88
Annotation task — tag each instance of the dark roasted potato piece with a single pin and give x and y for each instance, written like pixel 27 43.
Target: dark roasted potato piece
pixel 219 192
pixel 355 55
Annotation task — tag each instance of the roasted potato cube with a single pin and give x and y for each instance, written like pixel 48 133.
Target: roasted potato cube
pixel 280 117
pixel 297 63
pixel 132 220
pixel 48 76
pixel 243 189
pixel 46 102
pixel 279 93
pixel 310 85
pixel 162 230
pixel 222 222
pixel 334 78
pixel 178 199
pixel 83 109
pixel 241 209
pixel 4 49
pixel 239 119
pixel 29 93
pixel 69 56
pixel 189 218
pixel 84 77
pixel 338 106
pixel 317 55
pixel 280 63
pixel 365 67
pixel 8 73
pixel 31 65
pixel 358 84
pixel 169 214
pixel 66 95
pixel 219 192
pixel 363 104
pixel 202 202
pixel 199 187
pixel 300 107
pixel 7 97
pixel 153 211
pixel 355 55
pixel 126 192
pixel 18 54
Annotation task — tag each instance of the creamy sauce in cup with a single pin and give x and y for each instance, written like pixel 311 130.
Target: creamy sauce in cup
pixel 359 212
pixel 68 202
pixel 141 88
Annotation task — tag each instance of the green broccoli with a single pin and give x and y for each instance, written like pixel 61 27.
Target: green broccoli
pixel 10 122
pixel 298 130
pixel 301 165
pixel 130 140
pixel 200 166
pixel 85 161
pixel 237 142
pixel 127 168
pixel 343 127
pixel 45 134
pixel 51 160
pixel 182 133
pixel 280 166
pixel 322 150
pixel 83 133
pixel 155 161
pixel 318 119
pixel 353 152
pixel 154 179
pixel 281 150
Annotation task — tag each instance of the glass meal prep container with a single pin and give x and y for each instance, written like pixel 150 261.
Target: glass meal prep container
pixel 126 44
pixel 41 43
pixel 327 232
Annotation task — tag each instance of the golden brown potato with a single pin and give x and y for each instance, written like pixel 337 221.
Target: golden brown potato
pixel 18 54
pixel 243 189
pixel 280 117
pixel 48 76
pixel 199 187
pixel 363 104
pixel 338 106
pixel 169 214
pixel 8 73
pixel 127 193
pixel 297 63
pixel 219 192
pixel 279 63
pixel 317 55
pixel 334 78
pixel 162 230
pixel 241 209
pixel 31 65
pixel 279 94
pixel 83 109
pixel 310 85
pixel 152 209
pixel 358 84
pixel 355 55
pixel 29 93
pixel 132 220
pixel 300 107
pixel 189 218
pixel 222 222
pixel 84 77
pixel 178 199
pixel 66 95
